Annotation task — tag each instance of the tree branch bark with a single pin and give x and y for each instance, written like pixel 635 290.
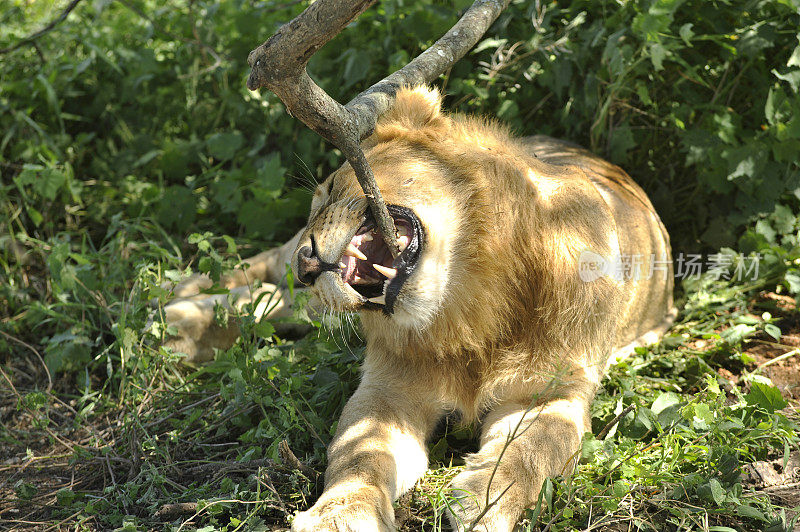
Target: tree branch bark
pixel 280 65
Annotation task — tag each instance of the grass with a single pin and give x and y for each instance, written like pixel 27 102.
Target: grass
pixel 132 440
pixel 121 133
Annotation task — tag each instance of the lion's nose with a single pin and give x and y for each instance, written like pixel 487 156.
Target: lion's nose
pixel 309 265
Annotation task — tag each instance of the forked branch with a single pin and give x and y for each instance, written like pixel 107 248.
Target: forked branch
pixel 280 65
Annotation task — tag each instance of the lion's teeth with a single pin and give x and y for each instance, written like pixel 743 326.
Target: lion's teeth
pixel 402 242
pixel 380 300
pixel 353 251
pixel 366 237
pixel 391 273
pixel 342 265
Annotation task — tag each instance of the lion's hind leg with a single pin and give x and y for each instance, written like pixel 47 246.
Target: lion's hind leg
pixel 654 335
pixel 268 266
pixel 195 331
pixel 191 316
pixel 520 447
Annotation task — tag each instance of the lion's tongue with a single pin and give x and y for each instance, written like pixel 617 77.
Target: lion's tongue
pixel 349 270
pixel 359 271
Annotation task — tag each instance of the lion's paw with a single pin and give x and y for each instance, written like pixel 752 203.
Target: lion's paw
pixel 468 500
pixel 361 511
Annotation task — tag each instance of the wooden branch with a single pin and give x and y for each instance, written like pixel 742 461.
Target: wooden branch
pixel 280 65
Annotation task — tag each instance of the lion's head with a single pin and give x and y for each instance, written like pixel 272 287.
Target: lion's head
pixel 342 255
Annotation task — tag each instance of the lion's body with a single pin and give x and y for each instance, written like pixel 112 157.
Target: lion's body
pixel 498 320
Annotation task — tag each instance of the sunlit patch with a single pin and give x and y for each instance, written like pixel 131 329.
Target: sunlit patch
pixel 547 188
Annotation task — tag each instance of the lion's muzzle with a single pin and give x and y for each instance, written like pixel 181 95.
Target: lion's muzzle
pixel 310 265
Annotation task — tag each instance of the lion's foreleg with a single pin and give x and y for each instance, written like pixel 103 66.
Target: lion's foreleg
pixel 520 447
pixel 377 454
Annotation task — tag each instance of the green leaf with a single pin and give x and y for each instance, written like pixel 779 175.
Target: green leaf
pixel 794 59
pixel 686 33
pixel 589 446
pixel 792 78
pixel 767 397
pixel 357 66
pixel 712 491
pixel 264 329
pixel 177 208
pixel 35 216
pixel 508 110
pixel 736 334
pixel 666 408
pixel 717 492
pixel 663 401
pixel 649 26
pixel 792 279
pixel 746 510
pixel 205 264
pixel 703 417
pixel 25 490
pixel 49 182
pixel 773 331
pixel 223 146
pixel 270 176
pixel 657 55
pixel 620 142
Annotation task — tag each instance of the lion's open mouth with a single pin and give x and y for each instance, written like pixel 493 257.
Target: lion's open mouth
pixel 367 265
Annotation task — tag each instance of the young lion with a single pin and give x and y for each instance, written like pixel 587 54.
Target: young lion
pixel 526 265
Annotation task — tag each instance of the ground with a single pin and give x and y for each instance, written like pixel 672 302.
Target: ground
pixel 170 458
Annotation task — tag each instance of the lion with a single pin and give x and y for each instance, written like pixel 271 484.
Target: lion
pixel 513 291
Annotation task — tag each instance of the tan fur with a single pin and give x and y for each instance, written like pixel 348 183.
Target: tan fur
pixel 496 322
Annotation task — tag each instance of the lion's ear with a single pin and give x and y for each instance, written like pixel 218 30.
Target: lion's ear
pixel 415 108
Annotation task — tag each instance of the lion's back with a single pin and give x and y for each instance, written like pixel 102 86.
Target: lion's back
pixel 643 240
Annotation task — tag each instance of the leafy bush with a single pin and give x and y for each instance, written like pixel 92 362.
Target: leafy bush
pixel 130 150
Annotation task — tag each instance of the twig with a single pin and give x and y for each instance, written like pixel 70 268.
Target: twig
pixel 280 65
pixel 793 352
pixel 35 352
pixel 511 437
pixel 215 467
pixel 289 458
pixel 47 29
pixel 57 526
pixel 263 477
pixel 602 434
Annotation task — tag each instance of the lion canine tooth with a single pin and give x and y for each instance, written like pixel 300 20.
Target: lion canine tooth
pixel 402 242
pixel 380 300
pixel 391 273
pixel 353 251
pixel 366 237
pixel 342 265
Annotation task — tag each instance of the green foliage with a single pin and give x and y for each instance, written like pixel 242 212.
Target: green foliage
pixel 698 100
pixel 674 461
pixel 131 154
